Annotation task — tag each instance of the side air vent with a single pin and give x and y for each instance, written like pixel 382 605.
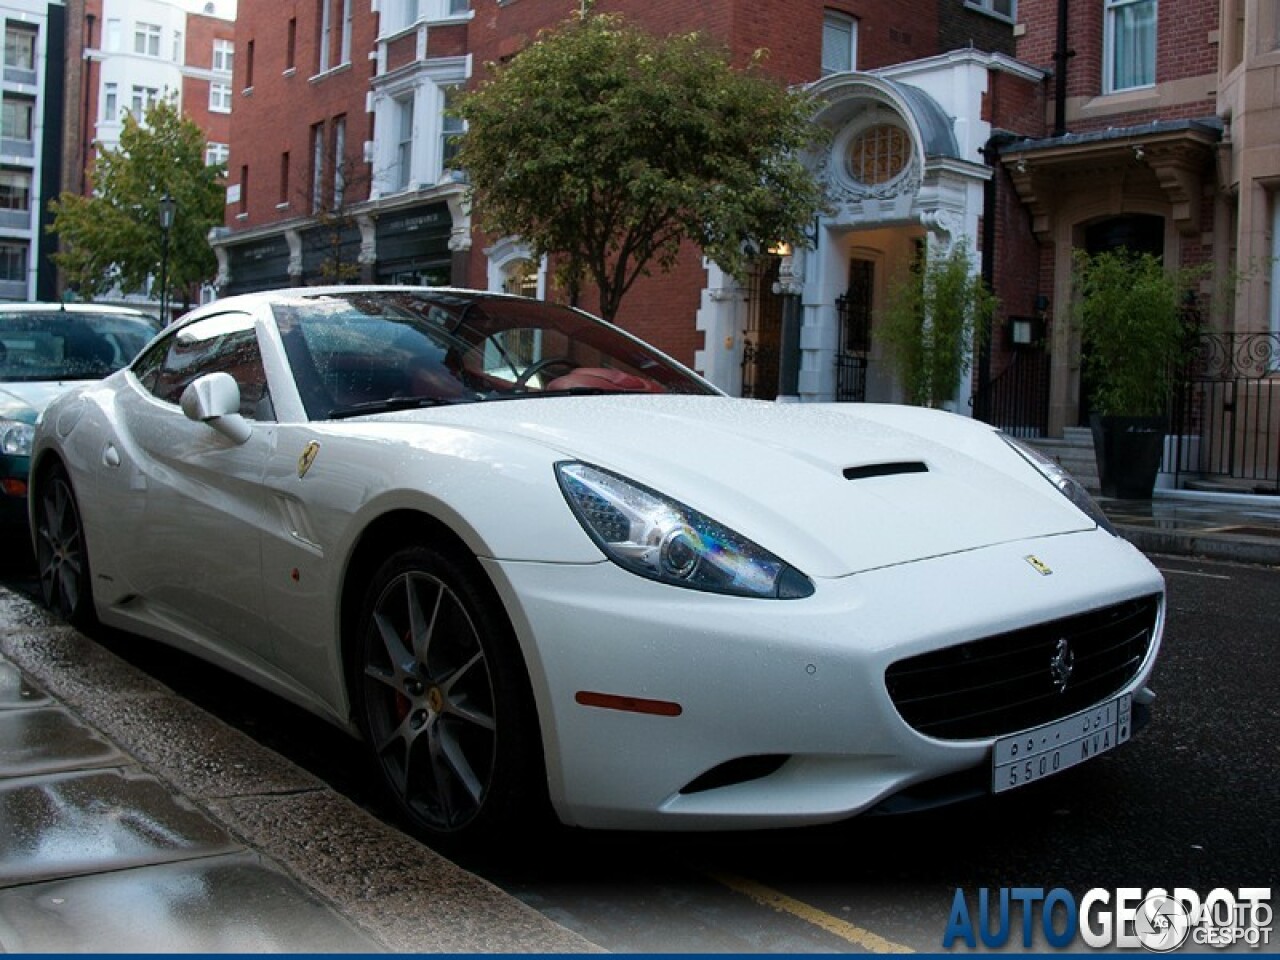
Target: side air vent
pixel 884 470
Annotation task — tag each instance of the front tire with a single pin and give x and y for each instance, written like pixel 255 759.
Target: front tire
pixel 62 560
pixel 443 700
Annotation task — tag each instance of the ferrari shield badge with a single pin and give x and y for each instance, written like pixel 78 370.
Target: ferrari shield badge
pixel 1038 565
pixel 308 457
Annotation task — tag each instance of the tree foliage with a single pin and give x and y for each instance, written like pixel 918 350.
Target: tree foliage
pixel 936 315
pixel 609 147
pixel 113 238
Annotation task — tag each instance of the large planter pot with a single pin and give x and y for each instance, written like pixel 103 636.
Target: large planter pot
pixel 1128 451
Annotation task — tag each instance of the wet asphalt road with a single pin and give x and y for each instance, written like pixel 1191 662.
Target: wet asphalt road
pixel 1190 802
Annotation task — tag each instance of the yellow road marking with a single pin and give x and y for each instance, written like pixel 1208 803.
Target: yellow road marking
pixel 871 942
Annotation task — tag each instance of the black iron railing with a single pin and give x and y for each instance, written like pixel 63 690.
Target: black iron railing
pixel 1226 411
pixel 1017 399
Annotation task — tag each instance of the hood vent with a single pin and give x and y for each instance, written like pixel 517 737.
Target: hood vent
pixel 884 470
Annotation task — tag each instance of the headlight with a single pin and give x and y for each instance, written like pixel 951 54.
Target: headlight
pixel 16 437
pixel 1067 485
pixel 654 536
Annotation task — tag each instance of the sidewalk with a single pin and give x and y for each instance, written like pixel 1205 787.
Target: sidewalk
pixel 1240 528
pixel 133 821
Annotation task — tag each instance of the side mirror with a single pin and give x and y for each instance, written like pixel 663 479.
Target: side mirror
pixel 215 399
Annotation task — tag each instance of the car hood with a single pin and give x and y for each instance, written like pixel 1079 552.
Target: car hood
pixel 832 488
pixel 23 400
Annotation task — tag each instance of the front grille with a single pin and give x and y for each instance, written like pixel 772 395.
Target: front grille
pixel 1002 684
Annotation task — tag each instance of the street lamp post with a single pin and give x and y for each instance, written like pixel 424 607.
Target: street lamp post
pixel 168 210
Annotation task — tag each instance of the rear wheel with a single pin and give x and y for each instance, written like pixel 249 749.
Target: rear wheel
pixel 62 562
pixel 442 697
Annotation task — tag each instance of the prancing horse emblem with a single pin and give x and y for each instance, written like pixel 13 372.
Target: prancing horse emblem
pixel 1062 664
pixel 308 457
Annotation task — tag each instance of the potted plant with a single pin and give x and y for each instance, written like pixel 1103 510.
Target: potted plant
pixel 1134 335
pixel 934 318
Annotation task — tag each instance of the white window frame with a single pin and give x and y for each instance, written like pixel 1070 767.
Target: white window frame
pixel 179 54
pixel 994 8
pixel 18 119
pixel 146 39
pixel 110 103
pixel 1113 36
pixel 317 167
pixel 224 52
pixel 17 254
pixel 326 35
pixel 112 35
pixel 219 97
pixel 449 126
pixel 15 188
pixel 216 153
pixel 24 42
pixel 404 111
pixel 141 99
pixel 839 37
pixel 344 54
pixel 339 161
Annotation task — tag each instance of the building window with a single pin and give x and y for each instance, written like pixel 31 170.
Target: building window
pixel 291 44
pixel 317 167
pixel 879 154
pixel 224 52
pixel 179 55
pixel 216 154
pixel 13 262
pixel 15 190
pixel 284 178
pixel 16 118
pixel 146 39
pixel 451 127
pixel 1130 44
pixel 459 6
pixel 1274 270
pixel 324 43
pixel 219 98
pixel 141 100
pixel 408 13
pixel 248 64
pixel 244 191
pixel 345 53
pixel 114 32
pixel 339 161
pixel 404 142
pixel 19 48
pixel 839 43
pixel 110 103
pixel 520 277
pixel 1006 9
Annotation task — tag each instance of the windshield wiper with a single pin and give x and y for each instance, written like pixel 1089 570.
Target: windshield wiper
pixel 391 404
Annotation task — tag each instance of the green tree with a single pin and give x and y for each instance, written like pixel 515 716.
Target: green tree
pixel 608 147
pixel 113 238
pixel 935 316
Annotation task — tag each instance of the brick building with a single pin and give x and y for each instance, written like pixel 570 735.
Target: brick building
pixel 1024 129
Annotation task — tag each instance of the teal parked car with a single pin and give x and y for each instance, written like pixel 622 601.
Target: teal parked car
pixel 46 348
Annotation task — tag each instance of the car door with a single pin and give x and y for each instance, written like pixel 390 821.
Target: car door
pixel 197 555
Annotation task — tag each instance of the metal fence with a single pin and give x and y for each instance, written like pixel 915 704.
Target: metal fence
pixel 1225 416
pixel 1017 399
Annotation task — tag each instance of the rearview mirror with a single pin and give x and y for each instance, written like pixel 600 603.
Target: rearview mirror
pixel 215 399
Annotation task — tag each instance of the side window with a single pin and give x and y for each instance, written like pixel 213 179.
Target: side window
pixel 222 343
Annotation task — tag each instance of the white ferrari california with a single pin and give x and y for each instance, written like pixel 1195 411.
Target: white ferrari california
pixel 541 567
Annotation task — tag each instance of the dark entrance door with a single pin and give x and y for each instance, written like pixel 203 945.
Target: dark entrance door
pixel 762 340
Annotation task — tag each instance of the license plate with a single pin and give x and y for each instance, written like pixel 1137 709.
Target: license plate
pixel 1035 754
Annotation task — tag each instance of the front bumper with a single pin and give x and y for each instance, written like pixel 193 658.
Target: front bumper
pixel 799 682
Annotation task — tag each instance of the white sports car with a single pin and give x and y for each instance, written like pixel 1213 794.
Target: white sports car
pixel 532 560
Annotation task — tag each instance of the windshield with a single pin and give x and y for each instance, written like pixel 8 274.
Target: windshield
pixel 367 352
pixel 69 345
